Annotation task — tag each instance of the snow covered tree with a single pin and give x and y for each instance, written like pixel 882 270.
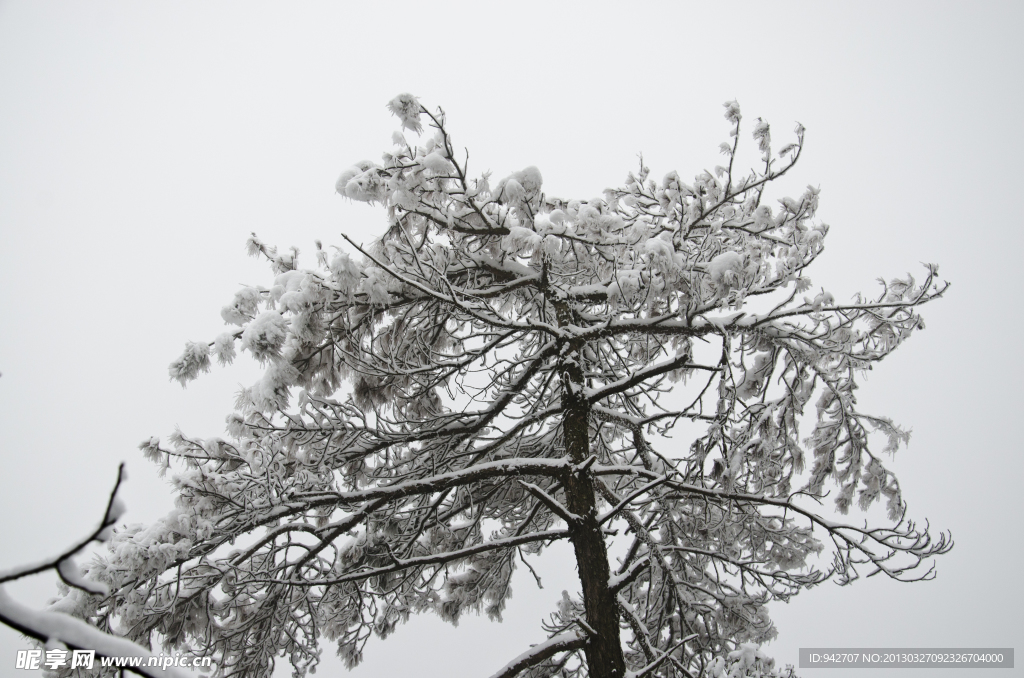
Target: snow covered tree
pixel 502 369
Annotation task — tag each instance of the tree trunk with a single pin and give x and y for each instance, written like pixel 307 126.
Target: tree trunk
pixel 604 650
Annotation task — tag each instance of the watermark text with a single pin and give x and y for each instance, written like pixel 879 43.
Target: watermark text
pixel 86 659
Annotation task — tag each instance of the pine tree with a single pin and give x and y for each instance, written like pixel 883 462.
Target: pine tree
pixel 501 370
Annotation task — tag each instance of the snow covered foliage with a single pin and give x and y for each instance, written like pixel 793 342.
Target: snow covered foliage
pixel 498 371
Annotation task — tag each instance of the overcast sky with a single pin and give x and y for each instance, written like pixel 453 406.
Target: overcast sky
pixel 141 143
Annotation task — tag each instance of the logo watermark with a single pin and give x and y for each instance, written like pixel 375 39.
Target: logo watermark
pixel 86 659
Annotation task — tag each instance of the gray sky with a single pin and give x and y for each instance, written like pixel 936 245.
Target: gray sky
pixel 140 144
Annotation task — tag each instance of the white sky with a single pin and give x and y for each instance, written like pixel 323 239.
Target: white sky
pixel 140 143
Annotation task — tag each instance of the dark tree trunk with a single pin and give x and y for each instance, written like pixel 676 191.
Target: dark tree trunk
pixel 604 650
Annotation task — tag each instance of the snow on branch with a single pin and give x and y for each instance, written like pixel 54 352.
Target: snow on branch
pixel 63 563
pixel 56 627
pixel 565 642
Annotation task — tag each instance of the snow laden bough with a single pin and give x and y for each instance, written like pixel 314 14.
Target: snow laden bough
pixel 60 631
pixel 500 370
